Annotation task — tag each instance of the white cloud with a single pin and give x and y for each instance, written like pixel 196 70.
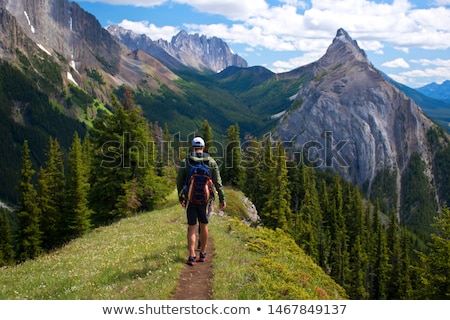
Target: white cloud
pixel 289 24
pixel 136 3
pixel 293 63
pixel 397 63
pixel 149 29
pixel 231 9
pixel 442 2
pixel 436 62
pixel 419 77
pixel 307 27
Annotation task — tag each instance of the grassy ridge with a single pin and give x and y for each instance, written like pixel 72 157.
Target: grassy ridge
pixel 141 258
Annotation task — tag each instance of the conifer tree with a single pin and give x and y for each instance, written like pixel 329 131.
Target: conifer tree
pixel 296 185
pixel 436 265
pixel 51 197
pixel 324 241
pixel 167 154
pixel 339 255
pixel 77 210
pixel 310 216
pixel 208 137
pixel 28 237
pixel 233 171
pixel 395 256
pixel 273 184
pixel 405 289
pixel 6 247
pixel 158 139
pixel 380 279
pixel 124 151
pixel 121 153
pixel 356 284
pixel 252 165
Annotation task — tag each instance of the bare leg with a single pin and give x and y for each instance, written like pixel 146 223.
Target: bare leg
pixel 203 236
pixel 191 237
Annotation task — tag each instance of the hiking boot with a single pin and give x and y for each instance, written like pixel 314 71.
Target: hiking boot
pixel 202 257
pixel 191 260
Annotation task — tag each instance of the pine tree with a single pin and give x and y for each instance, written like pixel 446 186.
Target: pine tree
pixel 339 255
pixel 405 289
pixel 208 136
pixel 380 279
pixel 233 171
pixel 124 151
pixel 310 216
pixel 252 164
pixel 275 211
pixel 395 256
pixel 28 238
pixel 436 265
pixel 51 197
pixel 324 240
pixel 77 186
pixel 355 287
pixel 167 154
pixel 6 247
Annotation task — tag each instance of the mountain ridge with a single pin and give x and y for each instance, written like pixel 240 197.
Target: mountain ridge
pixel 437 91
pixel 188 50
pixel 349 105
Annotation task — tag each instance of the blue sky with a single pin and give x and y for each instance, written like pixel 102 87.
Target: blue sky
pixel 407 39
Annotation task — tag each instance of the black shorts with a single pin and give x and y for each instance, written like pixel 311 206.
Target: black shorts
pixel 198 212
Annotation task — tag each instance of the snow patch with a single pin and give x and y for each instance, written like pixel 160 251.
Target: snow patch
pixel 70 78
pixel 73 65
pixel 278 115
pixel 29 22
pixel 43 49
pixel 292 98
pixel 5 206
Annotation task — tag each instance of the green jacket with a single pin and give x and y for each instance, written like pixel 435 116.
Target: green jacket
pixel 210 162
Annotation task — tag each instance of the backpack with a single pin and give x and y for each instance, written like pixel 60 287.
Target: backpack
pixel 198 184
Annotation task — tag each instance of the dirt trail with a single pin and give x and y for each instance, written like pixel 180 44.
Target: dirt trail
pixel 195 281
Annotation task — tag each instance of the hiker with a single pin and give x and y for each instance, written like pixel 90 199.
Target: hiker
pixel 198 175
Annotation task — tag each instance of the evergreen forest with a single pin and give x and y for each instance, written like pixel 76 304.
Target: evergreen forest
pixel 126 165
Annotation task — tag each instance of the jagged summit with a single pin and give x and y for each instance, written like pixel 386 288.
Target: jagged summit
pixel 342 50
pixel 188 50
pixel 348 101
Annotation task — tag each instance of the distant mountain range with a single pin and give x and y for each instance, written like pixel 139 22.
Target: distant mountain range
pixel 188 50
pixel 437 91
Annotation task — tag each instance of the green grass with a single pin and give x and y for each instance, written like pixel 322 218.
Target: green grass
pixel 141 258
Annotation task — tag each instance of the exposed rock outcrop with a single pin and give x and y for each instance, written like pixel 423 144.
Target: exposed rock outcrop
pixel 352 121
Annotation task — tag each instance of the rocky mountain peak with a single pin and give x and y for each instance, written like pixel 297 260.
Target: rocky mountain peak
pixel 191 50
pixel 63 28
pixel 343 49
pixel 350 120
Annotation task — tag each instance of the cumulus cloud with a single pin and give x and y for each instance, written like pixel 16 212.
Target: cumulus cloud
pixel 136 3
pixel 286 24
pixel 397 63
pixel 231 9
pixel 436 70
pixel 293 63
pixel 149 29
pixel 307 26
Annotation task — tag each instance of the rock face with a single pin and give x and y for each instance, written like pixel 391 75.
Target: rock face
pixel 63 28
pixel 184 49
pixel 347 118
